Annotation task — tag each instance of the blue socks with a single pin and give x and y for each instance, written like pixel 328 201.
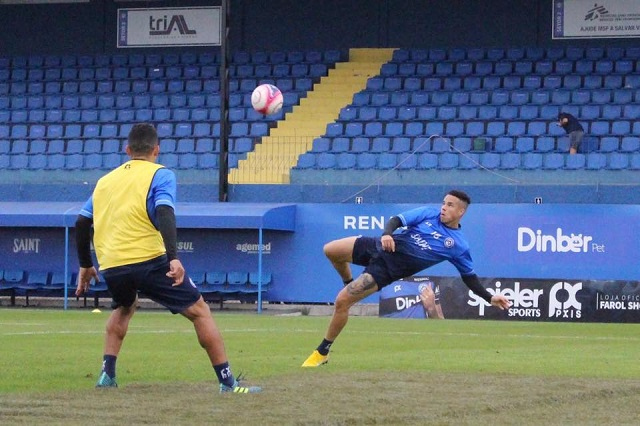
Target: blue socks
pixel 324 347
pixel 109 365
pixel 223 371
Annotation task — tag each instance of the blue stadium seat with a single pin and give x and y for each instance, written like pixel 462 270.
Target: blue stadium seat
pixel 516 128
pixel 474 128
pixel 381 144
pixel 393 129
pixel 630 144
pixel 447 113
pixel 594 53
pixel 560 97
pixel 483 68
pixel 340 144
pixel 503 68
pixel 207 160
pixel 479 98
pixel 400 144
pixel 360 144
pixel 467 112
pixel 206 145
pixel 434 128
pixel 525 68
pixel 407 161
pixel 447 161
pixel 528 112
pixel 321 144
pixel 604 66
pixel 454 128
pixel 19 146
pixel 468 161
pixel 618 161
pixel 531 161
pixel 240 145
pixel 545 144
pixel 421 144
pixel 366 160
pixel 599 128
pixel 325 160
pixel 427 161
pixel 462 144
pixel 537 128
pixel 306 161
pixel 503 144
pixel 509 160
pixel 524 144
pixel 334 129
pixel 367 113
pixel 596 161
pixel 490 160
pixel 373 129
pixel 543 67
pixel 460 98
pixel 440 145
pixel 580 97
pixel 609 144
pixel 620 128
pixel 427 113
pixel 345 160
pixel 491 82
pixel 386 160
pixel 563 67
pixel 553 161
pixel 631 112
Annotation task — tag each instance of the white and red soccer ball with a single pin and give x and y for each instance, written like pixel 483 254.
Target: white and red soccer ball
pixel 266 99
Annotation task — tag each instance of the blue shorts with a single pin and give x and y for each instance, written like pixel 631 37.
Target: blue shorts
pixel 150 280
pixel 385 267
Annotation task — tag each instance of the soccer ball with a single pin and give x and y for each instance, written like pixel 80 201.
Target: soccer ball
pixel 266 99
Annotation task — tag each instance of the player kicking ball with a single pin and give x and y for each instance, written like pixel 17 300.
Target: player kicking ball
pixel 430 237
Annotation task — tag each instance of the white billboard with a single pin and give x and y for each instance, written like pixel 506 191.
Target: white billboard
pixel 596 19
pixel 176 26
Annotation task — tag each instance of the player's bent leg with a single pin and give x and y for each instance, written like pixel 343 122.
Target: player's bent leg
pixel 352 293
pixel 116 329
pixel 209 335
pixel 340 254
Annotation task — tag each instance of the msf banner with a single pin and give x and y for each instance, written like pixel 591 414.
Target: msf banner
pixel 541 300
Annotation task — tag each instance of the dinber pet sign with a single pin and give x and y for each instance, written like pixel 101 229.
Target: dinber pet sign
pixel 184 26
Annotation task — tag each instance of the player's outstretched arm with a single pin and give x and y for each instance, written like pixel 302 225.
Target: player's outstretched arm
pixel 500 302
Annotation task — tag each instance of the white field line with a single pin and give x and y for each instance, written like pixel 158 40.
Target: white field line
pixel 288 330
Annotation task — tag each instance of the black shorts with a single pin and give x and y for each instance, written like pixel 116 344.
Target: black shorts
pixel 150 280
pixel 383 266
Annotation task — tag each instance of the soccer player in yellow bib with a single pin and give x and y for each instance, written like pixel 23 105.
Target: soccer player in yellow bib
pixel 135 238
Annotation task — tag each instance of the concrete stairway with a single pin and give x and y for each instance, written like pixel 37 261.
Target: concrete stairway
pixel 272 159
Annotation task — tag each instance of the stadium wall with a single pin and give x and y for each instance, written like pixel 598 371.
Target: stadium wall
pixel 300 25
pixel 556 256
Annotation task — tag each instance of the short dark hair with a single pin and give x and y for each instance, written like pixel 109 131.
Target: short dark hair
pixel 461 195
pixel 143 138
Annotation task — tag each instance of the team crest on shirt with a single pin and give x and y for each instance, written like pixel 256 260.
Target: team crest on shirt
pixel 448 242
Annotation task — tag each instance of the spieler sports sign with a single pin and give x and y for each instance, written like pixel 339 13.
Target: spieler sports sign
pixel 185 26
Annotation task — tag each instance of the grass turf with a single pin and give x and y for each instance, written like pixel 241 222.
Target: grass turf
pixel 381 371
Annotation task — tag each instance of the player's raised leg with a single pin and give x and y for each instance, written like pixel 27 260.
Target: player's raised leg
pixel 340 254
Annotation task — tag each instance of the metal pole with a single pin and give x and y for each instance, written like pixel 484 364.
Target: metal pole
pixel 223 180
